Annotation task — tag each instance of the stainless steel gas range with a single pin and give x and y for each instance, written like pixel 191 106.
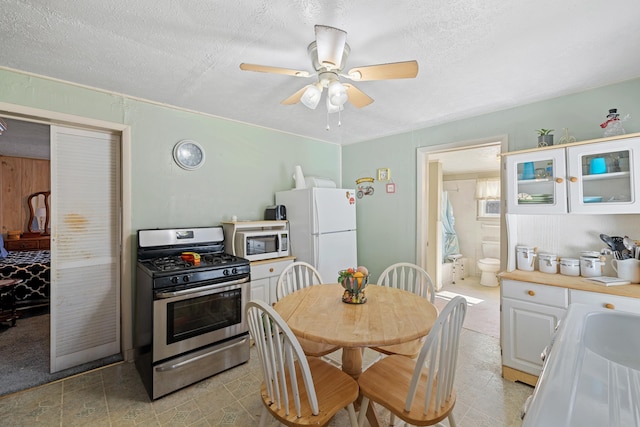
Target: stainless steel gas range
pixel 190 297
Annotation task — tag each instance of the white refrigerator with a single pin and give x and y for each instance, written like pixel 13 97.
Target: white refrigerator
pixel 322 228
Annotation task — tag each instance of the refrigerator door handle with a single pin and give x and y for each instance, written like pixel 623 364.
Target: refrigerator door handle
pixel 316 249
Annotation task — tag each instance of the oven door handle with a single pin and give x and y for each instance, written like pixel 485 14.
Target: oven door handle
pixel 164 295
pixel 202 356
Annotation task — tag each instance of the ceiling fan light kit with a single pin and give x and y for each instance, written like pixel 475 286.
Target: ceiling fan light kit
pixel 328 54
pixel 337 94
pixel 333 108
pixel 311 96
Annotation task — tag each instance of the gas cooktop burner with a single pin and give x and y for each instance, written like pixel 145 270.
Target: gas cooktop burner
pixel 207 260
pixel 218 259
pixel 169 263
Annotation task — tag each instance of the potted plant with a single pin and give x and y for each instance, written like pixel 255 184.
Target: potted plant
pixel 545 138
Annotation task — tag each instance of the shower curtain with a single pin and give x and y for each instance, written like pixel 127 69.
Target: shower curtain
pixel 449 237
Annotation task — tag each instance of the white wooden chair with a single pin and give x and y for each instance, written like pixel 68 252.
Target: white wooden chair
pixel 409 277
pixel 296 276
pixel 414 279
pixel 420 391
pixel 296 390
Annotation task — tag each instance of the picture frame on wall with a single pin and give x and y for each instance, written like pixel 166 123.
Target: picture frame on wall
pixel 384 174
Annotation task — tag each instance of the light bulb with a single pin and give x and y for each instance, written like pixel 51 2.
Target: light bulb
pixel 337 93
pixel 333 108
pixel 311 97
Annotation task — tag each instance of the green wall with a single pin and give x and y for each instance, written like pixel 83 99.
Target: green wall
pixel 387 222
pixel 245 165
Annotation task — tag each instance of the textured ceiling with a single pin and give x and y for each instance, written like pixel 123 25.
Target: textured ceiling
pixel 475 56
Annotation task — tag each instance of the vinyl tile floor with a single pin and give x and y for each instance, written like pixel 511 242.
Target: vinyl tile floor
pixel 115 396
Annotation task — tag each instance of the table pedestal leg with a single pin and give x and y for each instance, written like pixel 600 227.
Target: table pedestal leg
pixel 352 365
pixel 352 362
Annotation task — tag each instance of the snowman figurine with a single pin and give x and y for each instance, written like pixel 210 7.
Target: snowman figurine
pixel 613 125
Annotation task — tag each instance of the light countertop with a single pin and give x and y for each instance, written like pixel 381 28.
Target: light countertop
pixel 571 282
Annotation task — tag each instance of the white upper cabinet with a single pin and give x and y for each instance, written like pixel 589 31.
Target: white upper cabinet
pixel 588 178
pixel 536 182
pixel 603 177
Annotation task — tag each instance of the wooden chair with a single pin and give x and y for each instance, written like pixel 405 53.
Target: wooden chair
pixel 411 278
pixel 420 392
pixel 294 277
pixel 296 390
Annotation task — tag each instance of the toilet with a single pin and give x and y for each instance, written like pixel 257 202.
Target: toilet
pixel 489 265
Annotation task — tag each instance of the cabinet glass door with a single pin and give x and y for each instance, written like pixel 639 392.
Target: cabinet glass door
pixel 535 182
pixel 601 177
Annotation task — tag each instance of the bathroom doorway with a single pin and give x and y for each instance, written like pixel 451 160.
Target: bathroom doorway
pixel 449 174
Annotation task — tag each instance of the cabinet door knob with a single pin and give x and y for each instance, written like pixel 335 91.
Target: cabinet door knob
pixel 559 180
pixel 609 306
pixel 271 270
pixel 531 293
pixel 573 179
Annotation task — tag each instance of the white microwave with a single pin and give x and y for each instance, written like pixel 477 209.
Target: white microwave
pixel 258 245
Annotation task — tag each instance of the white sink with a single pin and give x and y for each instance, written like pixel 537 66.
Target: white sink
pixel 592 374
pixel 610 335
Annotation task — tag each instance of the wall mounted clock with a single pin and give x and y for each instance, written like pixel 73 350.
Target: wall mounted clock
pixel 188 154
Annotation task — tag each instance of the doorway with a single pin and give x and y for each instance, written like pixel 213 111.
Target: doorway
pixel 120 271
pixel 448 174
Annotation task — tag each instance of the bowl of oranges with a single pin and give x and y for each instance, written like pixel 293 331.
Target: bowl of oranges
pixel 354 280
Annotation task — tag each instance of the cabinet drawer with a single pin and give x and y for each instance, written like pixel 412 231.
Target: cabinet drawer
pixel 539 294
pixel 21 245
pixel 268 269
pixel 614 302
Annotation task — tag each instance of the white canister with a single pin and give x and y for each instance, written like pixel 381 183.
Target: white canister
pixel 548 263
pixel 570 266
pixel 525 257
pixel 591 264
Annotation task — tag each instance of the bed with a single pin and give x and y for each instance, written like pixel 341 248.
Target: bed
pixel 33 267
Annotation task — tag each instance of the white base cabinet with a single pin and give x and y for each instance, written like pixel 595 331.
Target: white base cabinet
pixel 264 278
pixel 530 313
pixel 529 317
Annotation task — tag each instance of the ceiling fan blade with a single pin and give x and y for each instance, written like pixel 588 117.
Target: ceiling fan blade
pixel 395 70
pixel 295 98
pixel 357 97
pixel 330 44
pixel 273 70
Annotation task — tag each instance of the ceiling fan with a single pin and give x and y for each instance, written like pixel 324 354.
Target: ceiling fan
pixel 328 54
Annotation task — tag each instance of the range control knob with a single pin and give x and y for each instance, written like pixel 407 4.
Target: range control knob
pixel 174 280
pixel 185 279
pixel 234 270
pixel 225 272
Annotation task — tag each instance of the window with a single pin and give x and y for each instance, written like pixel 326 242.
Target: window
pixel 488 209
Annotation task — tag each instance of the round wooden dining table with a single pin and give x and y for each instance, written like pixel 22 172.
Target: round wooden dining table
pixel 390 316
